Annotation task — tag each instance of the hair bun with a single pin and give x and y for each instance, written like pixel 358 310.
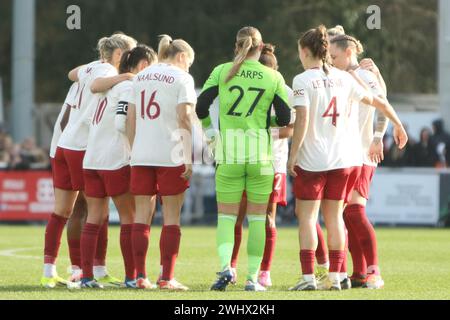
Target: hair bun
pixel 322 31
pixel 268 49
pixel 340 28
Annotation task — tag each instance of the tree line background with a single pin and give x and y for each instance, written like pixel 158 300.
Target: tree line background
pixel 405 48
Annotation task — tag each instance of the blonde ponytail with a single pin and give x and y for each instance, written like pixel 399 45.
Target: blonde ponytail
pixel 169 48
pixel 164 44
pixel 247 41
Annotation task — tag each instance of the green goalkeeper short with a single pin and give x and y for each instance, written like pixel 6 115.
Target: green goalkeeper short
pixel 255 179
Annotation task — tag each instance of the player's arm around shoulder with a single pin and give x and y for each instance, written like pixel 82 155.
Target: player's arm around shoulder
pixel 281 103
pixel 106 78
pixel 124 90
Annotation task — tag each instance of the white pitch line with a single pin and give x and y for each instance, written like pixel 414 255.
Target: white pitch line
pixel 12 253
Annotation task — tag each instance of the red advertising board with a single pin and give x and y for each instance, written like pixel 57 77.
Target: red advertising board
pixel 26 195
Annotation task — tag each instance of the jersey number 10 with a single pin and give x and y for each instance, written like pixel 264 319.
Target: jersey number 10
pixel 147 110
pixel 101 107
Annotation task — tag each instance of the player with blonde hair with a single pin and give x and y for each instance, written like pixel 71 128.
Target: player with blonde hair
pixel 160 111
pixel 93 78
pixel 247 91
pixel 345 51
pixel 107 170
pixel 320 157
pixel 279 195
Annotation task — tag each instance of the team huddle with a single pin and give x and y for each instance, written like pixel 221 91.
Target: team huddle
pixel 125 133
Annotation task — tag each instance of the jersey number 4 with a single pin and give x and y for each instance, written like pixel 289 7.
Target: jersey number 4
pixel 332 111
pixel 241 91
pixel 152 110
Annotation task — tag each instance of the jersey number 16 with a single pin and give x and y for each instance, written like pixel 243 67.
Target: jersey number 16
pixel 152 110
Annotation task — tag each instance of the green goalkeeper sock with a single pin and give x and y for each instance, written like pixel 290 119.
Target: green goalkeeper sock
pixel 256 244
pixel 225 238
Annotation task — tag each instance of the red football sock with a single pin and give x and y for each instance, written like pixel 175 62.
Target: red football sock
pixel 271 239
pixel 307 261
pixel 126 246
pixel 321 252
pixel 358 260
pixel 237 245
pixel 140 240
pixel 75 252
pixel 366 235
pixel 102 245
pixel 89 239
pixel 160 255
pixel 344 262
pixel 336 260
pixel 53 233
pixel 171 236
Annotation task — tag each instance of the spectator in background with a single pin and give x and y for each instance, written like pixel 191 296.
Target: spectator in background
pixel 4 153
pixel 421 154
pixel 23 156
pixel 440 145
pixel 32 156
pixel 15 161
pixel 387 144
pixel 394 157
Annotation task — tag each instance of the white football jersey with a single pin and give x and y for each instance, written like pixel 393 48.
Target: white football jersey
pixel 367 114
pixel 107 148
pixel 70 101
pixel 157 91
pixel 281 146
pixel 354 157
pixel 75 135
pixel 328 99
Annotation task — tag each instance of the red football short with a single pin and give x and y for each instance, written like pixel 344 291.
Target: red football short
pixel 107 183
pixel 52 164
pixel 68 170
pixel 164 181
pixel 328 185
pixel 364 181
pixel 278 195
pixel 352 181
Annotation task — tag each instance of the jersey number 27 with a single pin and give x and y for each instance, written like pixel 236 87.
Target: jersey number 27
pixel 241 91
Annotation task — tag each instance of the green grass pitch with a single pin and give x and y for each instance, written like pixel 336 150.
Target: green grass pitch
pixel 415 264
